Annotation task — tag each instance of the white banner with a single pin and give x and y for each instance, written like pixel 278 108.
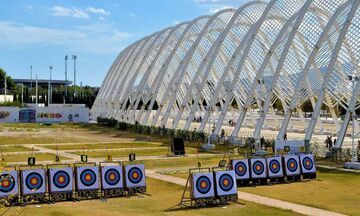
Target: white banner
pixel 294 146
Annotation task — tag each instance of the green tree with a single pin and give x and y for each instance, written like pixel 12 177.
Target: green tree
pixel 9 82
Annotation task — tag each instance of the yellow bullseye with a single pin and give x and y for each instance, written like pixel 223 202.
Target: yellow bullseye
pixel 226 182
pixel 34 181
pixel 112 177
pixel 5 183
pixel 292 165
pixel 203 185
pixel 61 179
pixel 258 168
pixel 135 175
pixel 87 177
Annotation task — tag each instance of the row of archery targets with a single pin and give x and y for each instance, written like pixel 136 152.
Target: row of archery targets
pixel 62 182
pixel 209 186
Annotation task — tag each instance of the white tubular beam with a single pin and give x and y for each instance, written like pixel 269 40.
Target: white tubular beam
pixel 333 59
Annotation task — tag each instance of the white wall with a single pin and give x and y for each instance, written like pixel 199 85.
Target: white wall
pixel 9 114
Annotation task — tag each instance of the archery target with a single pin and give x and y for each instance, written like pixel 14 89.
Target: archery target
pixel 241 168
pixel 258 168
pixel 87 177
pixel 111 177
pixel 135 175
pixel 274 167
pixel 225 183
pixel 9 183
pixel 292 166
pixel 307 163
pixel 33 181
pixel 61 179
pixel 203 185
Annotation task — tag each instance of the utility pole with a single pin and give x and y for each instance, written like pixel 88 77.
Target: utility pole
pixel 36 89
pixel 49 90
pixel 74 57
pixel 66 84
pixel 22 94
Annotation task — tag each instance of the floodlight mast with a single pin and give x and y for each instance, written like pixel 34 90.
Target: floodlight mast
pixel 66 83
pixel 74 57
pixel 49 90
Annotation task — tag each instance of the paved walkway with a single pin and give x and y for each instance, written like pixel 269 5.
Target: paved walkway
pixel 254 198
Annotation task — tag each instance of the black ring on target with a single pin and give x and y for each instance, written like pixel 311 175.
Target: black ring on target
pixel 226 182
pixel 135 175
pixel 88 177
pixel 112 177
pixel 240 165
pixel 203 185
pixel 258 167
pixel 292 165
pixel 34 181
pixel 308 163
pixel 274 166
pixel 61 179
pixel 7 183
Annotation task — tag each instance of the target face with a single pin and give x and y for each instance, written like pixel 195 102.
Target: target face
pixel 135 175
pixel 111 177
pixel 61 179
pixel 8 183
pixel 292 165
pixel 225 183
pixel 275 167
pixel 203 185
pixel 307 164
pixel 258 168
pixel 87 177
pixel 33 181
pixel 241 169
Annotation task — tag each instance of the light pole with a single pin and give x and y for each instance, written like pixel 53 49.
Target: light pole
pixel 31 77
pixel 74 57
pixel 353 80
pixel 66 58
pixel 49 90
pixel 36 90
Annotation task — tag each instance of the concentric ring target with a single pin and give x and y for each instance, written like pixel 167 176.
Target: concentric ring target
pixel 274 166
pixel 203 185
pixel 7 183
pixel 240 168
pixel 61 179
pixel 135 175
pixel 226 182
pixel 308 163
pixel 292 165
pixel 34 181
pixel 258 168
pixel 88 177
pixel 112 177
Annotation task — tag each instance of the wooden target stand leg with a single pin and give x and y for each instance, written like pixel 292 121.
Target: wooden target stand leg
pixel 185 201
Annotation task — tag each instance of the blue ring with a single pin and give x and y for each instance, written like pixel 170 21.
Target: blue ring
pixel 199 181
pixel 11 181
pixel 83 175
pixel 295 163
pixel 139 177
pixel 107 177
pixel 238 165
pixel 30 177
pixel 66 177
pixel 258 172
pixel 277 169
pixel 226 187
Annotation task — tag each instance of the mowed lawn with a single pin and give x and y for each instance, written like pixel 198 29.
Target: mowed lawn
pixel 102 146
pixel 15 148
pixel 332 190
pixel 38 156
pixel 162 200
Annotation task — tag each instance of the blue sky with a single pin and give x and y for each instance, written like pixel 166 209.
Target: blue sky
pixel 40 33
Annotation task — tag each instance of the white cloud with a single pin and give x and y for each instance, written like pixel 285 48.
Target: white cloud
pixel 176 22
pixel 133 15
pixel 98 11
pixel 28 7
pixel 97 38
pixel 217 9
pixel 70 12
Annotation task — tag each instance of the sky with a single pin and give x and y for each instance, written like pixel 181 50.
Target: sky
pixel 40 33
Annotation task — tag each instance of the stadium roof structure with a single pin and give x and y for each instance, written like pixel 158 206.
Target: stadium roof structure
pixel 287 50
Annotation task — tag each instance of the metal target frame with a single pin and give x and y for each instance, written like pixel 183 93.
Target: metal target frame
pixel 275 167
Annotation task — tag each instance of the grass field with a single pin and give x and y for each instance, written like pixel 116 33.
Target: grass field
pixel 14 148
pixel 162 198
pixel 103 146
pixel 24 157
pixel 332 190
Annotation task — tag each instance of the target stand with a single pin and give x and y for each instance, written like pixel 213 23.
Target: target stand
pixel 9 187
pixel 33 185
pixel 242 172
pixel 199 189
pixel 225 185
pixel 134 177
pixel 87 181
pixel 292 168
pixel 308 167
pixel 112 181
pixel 60 178
pixel 258 171
pixel 275 169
